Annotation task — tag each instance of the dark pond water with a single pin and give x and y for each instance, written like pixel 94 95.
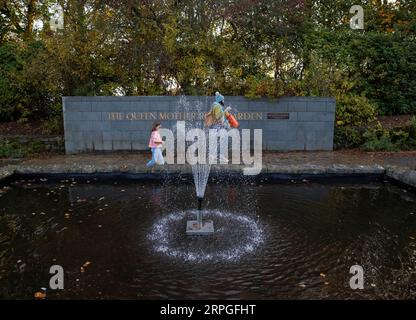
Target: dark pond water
pixel 126 240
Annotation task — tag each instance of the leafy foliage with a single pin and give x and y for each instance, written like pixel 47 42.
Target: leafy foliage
pixel 14 148
pixel 348 137
pixel 354 111
pixel 247 47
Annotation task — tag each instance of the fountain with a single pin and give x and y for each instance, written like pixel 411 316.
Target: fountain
pixel 200 203
pixel 200 226
pixel 200 173
pixel 237 234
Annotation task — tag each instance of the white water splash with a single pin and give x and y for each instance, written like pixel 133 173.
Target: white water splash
pixel 201 175
pixel 200 172
pixel 249 241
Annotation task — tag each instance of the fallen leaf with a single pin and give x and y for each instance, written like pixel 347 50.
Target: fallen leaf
pixel 302 285
pixel 40 295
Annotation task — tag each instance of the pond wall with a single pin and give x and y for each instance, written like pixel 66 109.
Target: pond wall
pixel 124 123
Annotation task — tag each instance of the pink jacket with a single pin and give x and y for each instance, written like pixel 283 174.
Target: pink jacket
pixel 155 137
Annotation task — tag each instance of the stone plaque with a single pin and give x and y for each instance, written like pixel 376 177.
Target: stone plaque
pixel 278 115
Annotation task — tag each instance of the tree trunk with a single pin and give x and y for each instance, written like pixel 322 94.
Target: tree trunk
pixel 30 18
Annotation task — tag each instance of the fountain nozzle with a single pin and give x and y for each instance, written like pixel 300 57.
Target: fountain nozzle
pixel 200 203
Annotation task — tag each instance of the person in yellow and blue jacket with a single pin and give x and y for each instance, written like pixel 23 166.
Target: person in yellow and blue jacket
pixel 218 113
pixel 219 122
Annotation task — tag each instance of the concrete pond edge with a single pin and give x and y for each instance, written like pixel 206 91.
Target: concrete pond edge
pixel 402 175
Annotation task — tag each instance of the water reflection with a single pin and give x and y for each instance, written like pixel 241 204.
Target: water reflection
pixel 312 232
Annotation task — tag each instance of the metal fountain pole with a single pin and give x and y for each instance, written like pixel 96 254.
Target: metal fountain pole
pixel 199 227
pixel 199 214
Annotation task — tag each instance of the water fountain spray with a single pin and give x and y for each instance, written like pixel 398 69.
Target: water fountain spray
pixel 200 226
pixel 200 173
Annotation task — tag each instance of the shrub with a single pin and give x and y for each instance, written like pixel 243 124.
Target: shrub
pixel 352 115
pixel 377 140
pixel 388 78
pixel 11 149
pixel 380 139
pixel 14 148
pixel 54 125
pixel 354 111
pixel 10 64
pixel 399 138
pixel 411 132
pixel 413 122
pixel 29 87
pixel 348 137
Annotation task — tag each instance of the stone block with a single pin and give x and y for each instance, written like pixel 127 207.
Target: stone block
pixel 73 116
pixel 122 145
pixel 315 116
pixel 316 106
pixel 91 116
pixel 74 106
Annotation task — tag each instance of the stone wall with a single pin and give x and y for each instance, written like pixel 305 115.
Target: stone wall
pixel 124 123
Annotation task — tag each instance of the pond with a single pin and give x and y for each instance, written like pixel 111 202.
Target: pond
pixel 125 239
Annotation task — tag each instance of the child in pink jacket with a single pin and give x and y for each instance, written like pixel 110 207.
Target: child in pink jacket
pixel 155 143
